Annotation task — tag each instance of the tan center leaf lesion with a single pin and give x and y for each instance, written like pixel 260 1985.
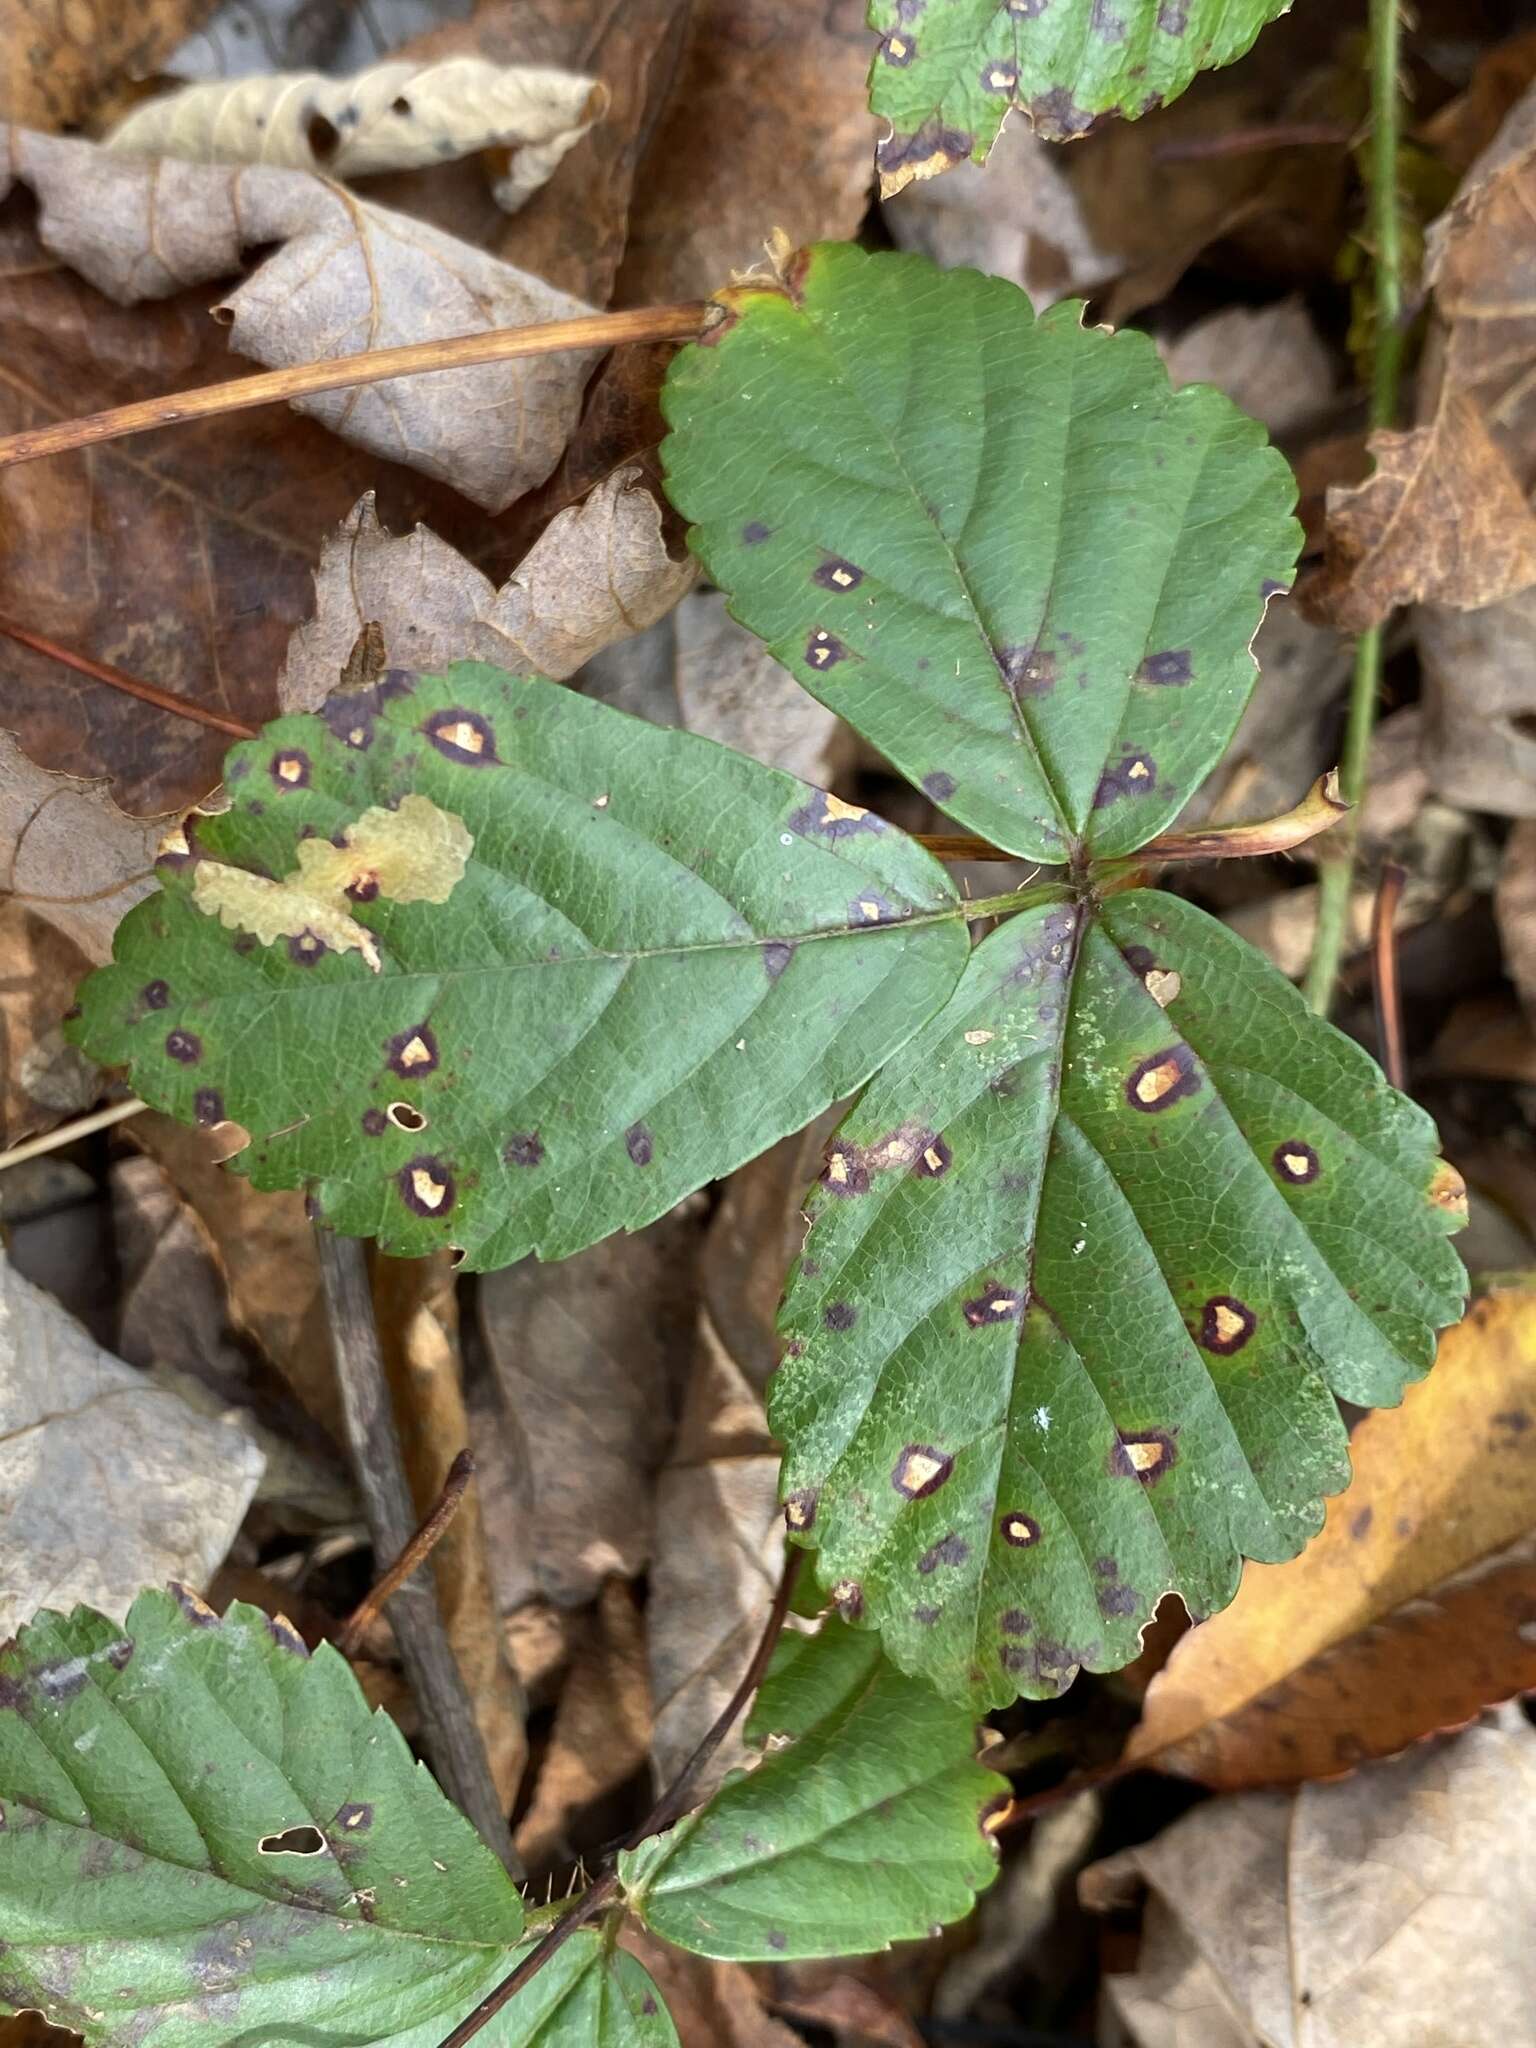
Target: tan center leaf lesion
pixel 413 854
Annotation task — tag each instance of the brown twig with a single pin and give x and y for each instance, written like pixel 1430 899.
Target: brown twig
pixel 449 1731
pixel 416 1552
pixel 114 678
pixel 372 366
pixel 1252 141
pixel 1389 1009
pixel 662 1815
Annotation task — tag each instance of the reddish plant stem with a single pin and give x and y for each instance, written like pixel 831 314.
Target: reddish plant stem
pixel 416 1552
pixel 1389 1008
pixel 114 678
pixel 667 1810
pixel 372 366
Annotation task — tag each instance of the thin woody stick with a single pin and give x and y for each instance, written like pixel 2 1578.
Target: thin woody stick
pixel 302 380
pixel 416 1552
pixel 116 679
pixel 1389 1008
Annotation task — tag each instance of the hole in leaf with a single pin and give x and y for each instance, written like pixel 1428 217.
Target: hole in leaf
pixel 406 1117
pixel 303 1841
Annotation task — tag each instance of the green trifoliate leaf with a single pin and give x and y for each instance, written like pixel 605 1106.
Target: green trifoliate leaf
pixel 1002 548
pixel 1089 1262
pixel 867 1822
pixel 208 1837
pixel 946 72
pixel 590 1994
pixel 483 963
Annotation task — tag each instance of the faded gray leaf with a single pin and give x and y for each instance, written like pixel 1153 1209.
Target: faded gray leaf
pixel 107 1483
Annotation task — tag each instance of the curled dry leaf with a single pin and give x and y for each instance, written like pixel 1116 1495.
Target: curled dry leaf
pixel 107 1483
pixel 344 276
pixel 572 232
pixel 1393 1908
pixel 1443 520
pixel 598 572
pixel 1411 1612
pixel 391 117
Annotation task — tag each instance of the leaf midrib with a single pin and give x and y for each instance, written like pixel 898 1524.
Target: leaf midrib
pixel 920 920
pixel 1020 721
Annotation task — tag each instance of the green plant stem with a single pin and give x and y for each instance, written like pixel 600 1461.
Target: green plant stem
pixel 1336 876
pixel 664 1814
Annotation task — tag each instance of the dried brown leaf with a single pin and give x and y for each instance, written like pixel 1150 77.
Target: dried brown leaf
pixel 1017 216
pixel 264 1247
pixel 1515 907
pixel 767 127
pixel 588 1355
pixel 42 1079
pixel 598 572
pixel 1479 697
pixel 1411 1612
pixel 392 117
pixel 601 1732
pixel 1269 360
pixel 343 276
pixel 1443 520
pixel 1392 1908
pixel 57 62
pixel 713 2005
pixel 719 1553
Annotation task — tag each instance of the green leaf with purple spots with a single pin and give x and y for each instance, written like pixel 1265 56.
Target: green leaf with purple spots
pixel 1089 1263
pixel 1003 548
pixel 868 1820
pixel 207 1836
pixel 946 72
pixel 480 962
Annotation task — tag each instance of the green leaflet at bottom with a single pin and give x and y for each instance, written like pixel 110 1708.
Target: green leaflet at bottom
pixel 867 1821
pixel 206 1838
pixel 1089 1262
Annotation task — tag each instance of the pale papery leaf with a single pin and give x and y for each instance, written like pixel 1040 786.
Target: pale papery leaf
pixel 167 1502
pixel 345 276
